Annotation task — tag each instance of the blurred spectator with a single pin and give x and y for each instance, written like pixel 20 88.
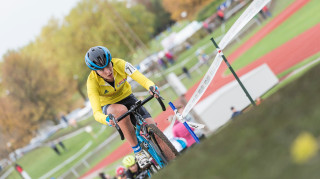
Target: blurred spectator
pixel 21 172
pixel 133 169
pixel 265 12
pixel 54 147
pixel 102 175
pixel 73 123
pixel 186 71
pixel 179 130
pixel 187 45
pixel 207 27
pixel 211 26
pixel 62 145
pixel 63 117
pixel 258 101
pixel 121 173
pixel 262 14
pixel 162 63
pixel 220 15
pixel 202 57
pixel 234 112
pixel 170 57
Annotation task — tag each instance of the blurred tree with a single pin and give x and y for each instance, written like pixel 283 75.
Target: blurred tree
pixel 179 6
pixel 14 126
pixel 1 85
pixel 162 17
pixel 36 87
pixel 208 10
pixel 90 24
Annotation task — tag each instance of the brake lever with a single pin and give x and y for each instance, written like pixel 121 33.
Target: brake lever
pixel 158 94
pixel 117 126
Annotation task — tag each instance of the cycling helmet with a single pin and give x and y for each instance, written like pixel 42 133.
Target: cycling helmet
pixel 120 171
pixel 128 161
pixel 98 58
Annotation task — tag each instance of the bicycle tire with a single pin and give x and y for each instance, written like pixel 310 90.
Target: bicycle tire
pixel 166 147
pixel 157 150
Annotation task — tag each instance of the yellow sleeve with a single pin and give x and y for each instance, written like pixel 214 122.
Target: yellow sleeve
pixel 141 79
pixel 137 76
pixel 93 95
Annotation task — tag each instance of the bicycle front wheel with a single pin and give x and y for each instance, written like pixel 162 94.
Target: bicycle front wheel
pixel 166 147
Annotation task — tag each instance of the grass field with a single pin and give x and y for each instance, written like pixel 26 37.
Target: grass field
pixel 258 143
pixel 40 161
pixel 299 22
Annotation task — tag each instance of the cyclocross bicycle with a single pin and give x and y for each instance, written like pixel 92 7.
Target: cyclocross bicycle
pixel 150 137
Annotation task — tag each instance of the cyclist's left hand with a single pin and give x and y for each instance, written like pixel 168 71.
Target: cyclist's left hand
pixel 154 89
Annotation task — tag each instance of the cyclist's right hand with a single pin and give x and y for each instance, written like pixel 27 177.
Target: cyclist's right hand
pixel 109 120
pixel 154 90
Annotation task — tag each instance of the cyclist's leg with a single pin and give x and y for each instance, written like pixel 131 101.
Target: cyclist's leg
pixel 129 133
pixel 125 124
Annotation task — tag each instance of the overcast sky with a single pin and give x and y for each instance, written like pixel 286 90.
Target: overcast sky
pixel 21 20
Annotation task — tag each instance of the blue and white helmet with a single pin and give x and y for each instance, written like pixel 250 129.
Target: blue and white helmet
pixel 98 58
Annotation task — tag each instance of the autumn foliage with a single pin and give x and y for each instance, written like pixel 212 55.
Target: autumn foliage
pixel 189 6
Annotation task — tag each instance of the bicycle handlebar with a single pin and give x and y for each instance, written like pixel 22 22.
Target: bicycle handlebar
pixel 134 107
pixel 117 126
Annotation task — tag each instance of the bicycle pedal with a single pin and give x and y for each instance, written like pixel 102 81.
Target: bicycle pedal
pixel 146 145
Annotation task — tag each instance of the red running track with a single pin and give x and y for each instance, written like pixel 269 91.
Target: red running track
pixel 268 28
pixel 280 59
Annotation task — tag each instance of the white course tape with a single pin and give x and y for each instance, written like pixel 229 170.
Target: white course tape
pixel 247 15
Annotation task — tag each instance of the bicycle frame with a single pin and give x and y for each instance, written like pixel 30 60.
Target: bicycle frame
pixel 143 140
pixel 142 133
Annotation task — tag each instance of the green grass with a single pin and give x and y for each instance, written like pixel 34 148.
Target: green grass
pixel 47 159
pixel 303 19
pixel 70 129
pixel 258 143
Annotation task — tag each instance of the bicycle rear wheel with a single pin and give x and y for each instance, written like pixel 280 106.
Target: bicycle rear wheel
pixel 166 147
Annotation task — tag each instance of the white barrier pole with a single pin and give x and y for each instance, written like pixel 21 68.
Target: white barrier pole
pixel 247 15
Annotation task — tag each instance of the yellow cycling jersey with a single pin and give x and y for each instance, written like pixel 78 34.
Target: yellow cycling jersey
pixel 101 93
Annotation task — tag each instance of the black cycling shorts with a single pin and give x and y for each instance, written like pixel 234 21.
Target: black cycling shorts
pixel 128 102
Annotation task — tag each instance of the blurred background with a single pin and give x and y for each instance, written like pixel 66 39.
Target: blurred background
pixel 46 121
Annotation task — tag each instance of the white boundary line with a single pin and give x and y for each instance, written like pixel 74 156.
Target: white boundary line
pixel 107 141
pixel 8 172
pixel 302 68
pixel 47 175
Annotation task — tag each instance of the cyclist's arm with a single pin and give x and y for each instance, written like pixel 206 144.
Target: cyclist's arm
pixel 93 95
pixel 137 76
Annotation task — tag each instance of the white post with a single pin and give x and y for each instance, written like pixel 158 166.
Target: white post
pixel 74 172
